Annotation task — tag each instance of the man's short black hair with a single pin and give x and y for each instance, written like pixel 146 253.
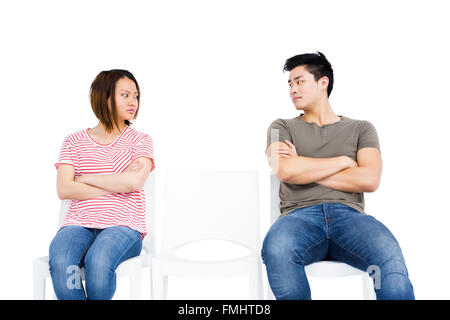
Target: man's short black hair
pixel 315 63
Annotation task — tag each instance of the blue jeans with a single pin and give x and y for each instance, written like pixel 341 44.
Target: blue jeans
pixel 332 231
pixel 99 251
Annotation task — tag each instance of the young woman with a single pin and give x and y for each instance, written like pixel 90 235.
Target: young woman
pixel 102 170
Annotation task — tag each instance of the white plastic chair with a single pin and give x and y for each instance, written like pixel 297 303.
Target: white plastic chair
pixel 131 268
pixel 201 206
pixel 322 268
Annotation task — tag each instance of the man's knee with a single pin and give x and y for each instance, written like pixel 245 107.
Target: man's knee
pixel 278 246
pixel 393 279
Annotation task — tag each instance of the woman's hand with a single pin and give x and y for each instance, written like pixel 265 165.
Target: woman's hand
pixel 287 152
pixel 134 167
pixel 79 179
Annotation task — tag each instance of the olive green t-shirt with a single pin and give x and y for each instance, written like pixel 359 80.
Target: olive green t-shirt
pixel 342 138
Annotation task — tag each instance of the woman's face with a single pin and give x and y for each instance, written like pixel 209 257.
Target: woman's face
pixel 126 99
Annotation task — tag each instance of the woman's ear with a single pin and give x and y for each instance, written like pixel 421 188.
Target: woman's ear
pixel 108 101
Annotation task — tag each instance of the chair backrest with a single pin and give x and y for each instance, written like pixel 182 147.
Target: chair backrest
pixel 274 198
pixel 150 213
pixel 149 191
pixel 211 205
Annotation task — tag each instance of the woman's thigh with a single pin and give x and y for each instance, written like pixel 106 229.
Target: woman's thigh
pixel 66 253
pixel 111 247
pixel 70 245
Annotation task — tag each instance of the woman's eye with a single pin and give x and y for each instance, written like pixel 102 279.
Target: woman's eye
pixel 124 95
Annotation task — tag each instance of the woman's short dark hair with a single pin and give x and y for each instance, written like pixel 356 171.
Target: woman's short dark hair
pixel 315 63
pixel 104 87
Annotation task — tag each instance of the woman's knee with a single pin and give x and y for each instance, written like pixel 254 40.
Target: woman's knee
pixel 64 254
pixel 100 278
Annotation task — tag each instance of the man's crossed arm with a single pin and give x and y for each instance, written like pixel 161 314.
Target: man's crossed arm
pixel 341 173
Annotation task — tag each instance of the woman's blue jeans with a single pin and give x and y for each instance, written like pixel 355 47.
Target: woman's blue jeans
pixel 332 231
pixel 99 251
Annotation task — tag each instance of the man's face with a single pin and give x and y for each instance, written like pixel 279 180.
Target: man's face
pixel 305 91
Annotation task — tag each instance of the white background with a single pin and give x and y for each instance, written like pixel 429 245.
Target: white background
pixel 211 79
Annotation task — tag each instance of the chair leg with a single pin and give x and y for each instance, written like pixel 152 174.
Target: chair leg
pixel 159 284
pixel 38 286
pixel 151 285
pixel 260 282
pixel 165 286
pixel 40 273
pixel 368 290
pixel 135 285
pixel 270 295
pixel 255 282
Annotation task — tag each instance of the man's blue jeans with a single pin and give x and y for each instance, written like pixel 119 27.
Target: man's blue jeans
pixel 100 251
pixel 332 231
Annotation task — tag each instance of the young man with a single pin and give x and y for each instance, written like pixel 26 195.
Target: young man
pixel 325 163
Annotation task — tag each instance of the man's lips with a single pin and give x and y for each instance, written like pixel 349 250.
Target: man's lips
pixel 296 98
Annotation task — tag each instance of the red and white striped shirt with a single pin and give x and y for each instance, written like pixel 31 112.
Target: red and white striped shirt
pixel 90 157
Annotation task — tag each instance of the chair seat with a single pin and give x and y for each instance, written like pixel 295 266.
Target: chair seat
pixel 332 269
pixel 123 270
pixel 171 265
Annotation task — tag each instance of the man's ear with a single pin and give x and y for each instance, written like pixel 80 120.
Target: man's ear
pixel 323 82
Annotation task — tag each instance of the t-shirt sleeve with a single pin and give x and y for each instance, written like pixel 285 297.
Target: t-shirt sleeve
pixel 368 136
pixel 277 131
pixel 144 148
pixel 66 155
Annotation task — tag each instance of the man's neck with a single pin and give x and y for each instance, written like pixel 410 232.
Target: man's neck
pixel 320 113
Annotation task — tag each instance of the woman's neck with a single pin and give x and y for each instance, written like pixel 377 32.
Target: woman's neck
pixel 100 131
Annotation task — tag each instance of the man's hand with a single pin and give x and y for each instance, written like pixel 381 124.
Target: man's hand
pixel 287 152
pixel 290 152
pixel 351 163
pixel 363 177
pixel 292 168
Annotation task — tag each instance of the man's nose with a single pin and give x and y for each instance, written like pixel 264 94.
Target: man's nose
pixel 293 89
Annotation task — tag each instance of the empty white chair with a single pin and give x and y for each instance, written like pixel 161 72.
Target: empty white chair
pixel 201 206
pixel 321 268
pixel 131 268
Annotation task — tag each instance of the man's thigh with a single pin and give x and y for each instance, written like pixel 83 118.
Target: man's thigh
pixel 300 235
pixel 361 240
